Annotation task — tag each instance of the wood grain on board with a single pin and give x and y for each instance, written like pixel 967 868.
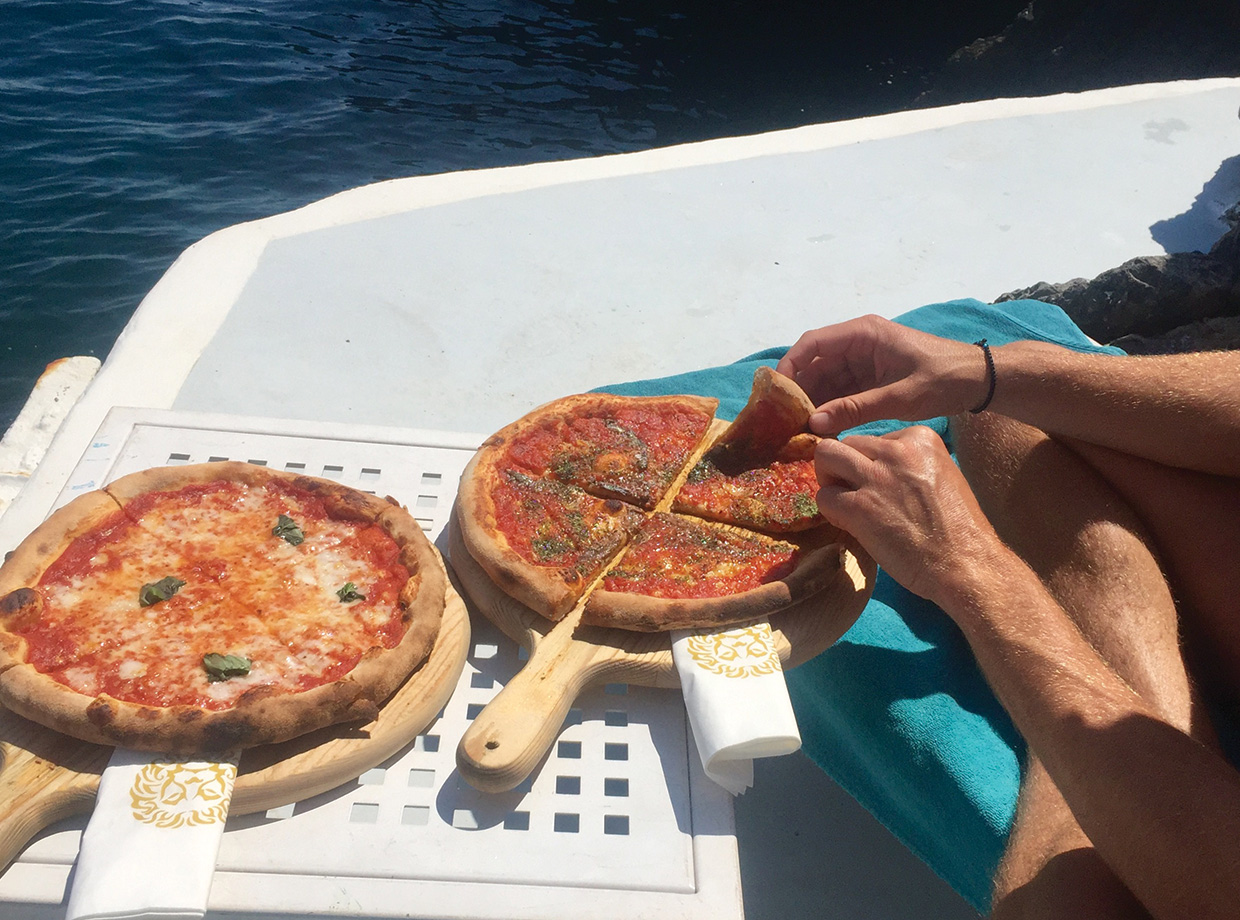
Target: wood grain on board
pixel 508 739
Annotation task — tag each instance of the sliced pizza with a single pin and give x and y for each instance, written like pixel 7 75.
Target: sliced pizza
pixel 683 572
pixel 628 448
pixel 777 496
pixel 551 502
pixel 543 541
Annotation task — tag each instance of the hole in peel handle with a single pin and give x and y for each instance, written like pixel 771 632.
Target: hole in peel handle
pixel 514 732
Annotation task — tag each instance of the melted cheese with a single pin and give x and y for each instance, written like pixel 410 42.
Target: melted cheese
pixel 247 592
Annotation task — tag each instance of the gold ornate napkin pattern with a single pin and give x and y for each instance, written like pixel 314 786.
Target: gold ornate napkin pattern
pixel 149 849
pixel 737 700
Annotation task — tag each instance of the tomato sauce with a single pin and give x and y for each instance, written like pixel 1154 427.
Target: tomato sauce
pixel 87 552
pixel 631 452
pixel 549 523
pixel 777 498
pixel 675 557
pixel 95 637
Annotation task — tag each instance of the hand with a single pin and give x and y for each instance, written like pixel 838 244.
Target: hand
pixel 907 504
pixel 870 368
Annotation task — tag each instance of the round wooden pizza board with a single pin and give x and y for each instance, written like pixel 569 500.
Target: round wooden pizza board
pixel 46 776
pixel 508 739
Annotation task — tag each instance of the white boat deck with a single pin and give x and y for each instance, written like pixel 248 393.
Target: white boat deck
pixel 458 302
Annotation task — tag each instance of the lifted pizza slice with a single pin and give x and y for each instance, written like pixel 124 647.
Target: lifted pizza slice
pixel 777 411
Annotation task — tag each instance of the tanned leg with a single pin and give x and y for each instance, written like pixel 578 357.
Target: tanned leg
pixel 1050 869
pixel 1095 556
pixel 1194 521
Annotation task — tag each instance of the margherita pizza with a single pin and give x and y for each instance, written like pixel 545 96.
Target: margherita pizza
pixel 569 504
pixel 213 607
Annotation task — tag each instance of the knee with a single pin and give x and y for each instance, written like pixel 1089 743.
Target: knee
pixel 990 434
pixel 996 453
pixel 1074 883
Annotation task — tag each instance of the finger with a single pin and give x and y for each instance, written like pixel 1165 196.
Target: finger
pixel 853 409
pixel 914 441
pixel 832 378
pixel 838 463
pixel 813 344
pixel 823 361
pixel 831 502
pixel 841 506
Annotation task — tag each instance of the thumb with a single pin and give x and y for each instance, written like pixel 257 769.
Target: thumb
pixel 836 415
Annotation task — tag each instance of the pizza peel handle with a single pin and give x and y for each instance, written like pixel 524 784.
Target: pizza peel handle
pixel 44 777
pixel 505 742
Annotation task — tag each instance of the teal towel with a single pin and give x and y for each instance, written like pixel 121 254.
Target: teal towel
pixel 897 712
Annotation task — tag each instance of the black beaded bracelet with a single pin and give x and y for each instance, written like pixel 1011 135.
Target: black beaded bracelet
pixel 990 373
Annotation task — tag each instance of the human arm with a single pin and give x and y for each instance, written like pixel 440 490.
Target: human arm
pixel 1162 810
pixel 1179 410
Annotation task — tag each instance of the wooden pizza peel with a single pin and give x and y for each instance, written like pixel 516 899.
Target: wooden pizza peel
pixel 510 737
pixel 46 776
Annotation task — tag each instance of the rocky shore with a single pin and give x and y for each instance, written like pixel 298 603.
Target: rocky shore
pixel 1185 301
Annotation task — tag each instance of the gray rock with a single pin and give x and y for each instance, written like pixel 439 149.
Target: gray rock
pixel 1152 296
pixel 1220 333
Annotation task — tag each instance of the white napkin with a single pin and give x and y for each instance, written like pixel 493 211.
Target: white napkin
pixel 149 849
pixel 737 700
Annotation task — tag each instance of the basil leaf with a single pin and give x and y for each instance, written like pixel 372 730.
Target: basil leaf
pixel 350 593
pixel 286 529
pixel 222 667
pixel 156 591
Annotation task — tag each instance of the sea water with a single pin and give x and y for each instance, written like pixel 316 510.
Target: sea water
pixel 129 129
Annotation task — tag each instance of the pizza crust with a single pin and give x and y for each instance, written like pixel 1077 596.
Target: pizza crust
pixel 128 488
pixel 548 591
pixel 261 715
pixel 258 717
pixel 24 565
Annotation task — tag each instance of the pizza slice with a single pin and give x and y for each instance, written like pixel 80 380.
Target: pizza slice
pixel 777 496
pixel 683 572
pixel 627 448
pixel 544 542
pixel 776 412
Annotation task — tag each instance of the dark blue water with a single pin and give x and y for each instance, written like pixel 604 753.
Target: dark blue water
pixel 129 130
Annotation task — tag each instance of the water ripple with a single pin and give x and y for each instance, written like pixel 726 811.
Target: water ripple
pixel 129 130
